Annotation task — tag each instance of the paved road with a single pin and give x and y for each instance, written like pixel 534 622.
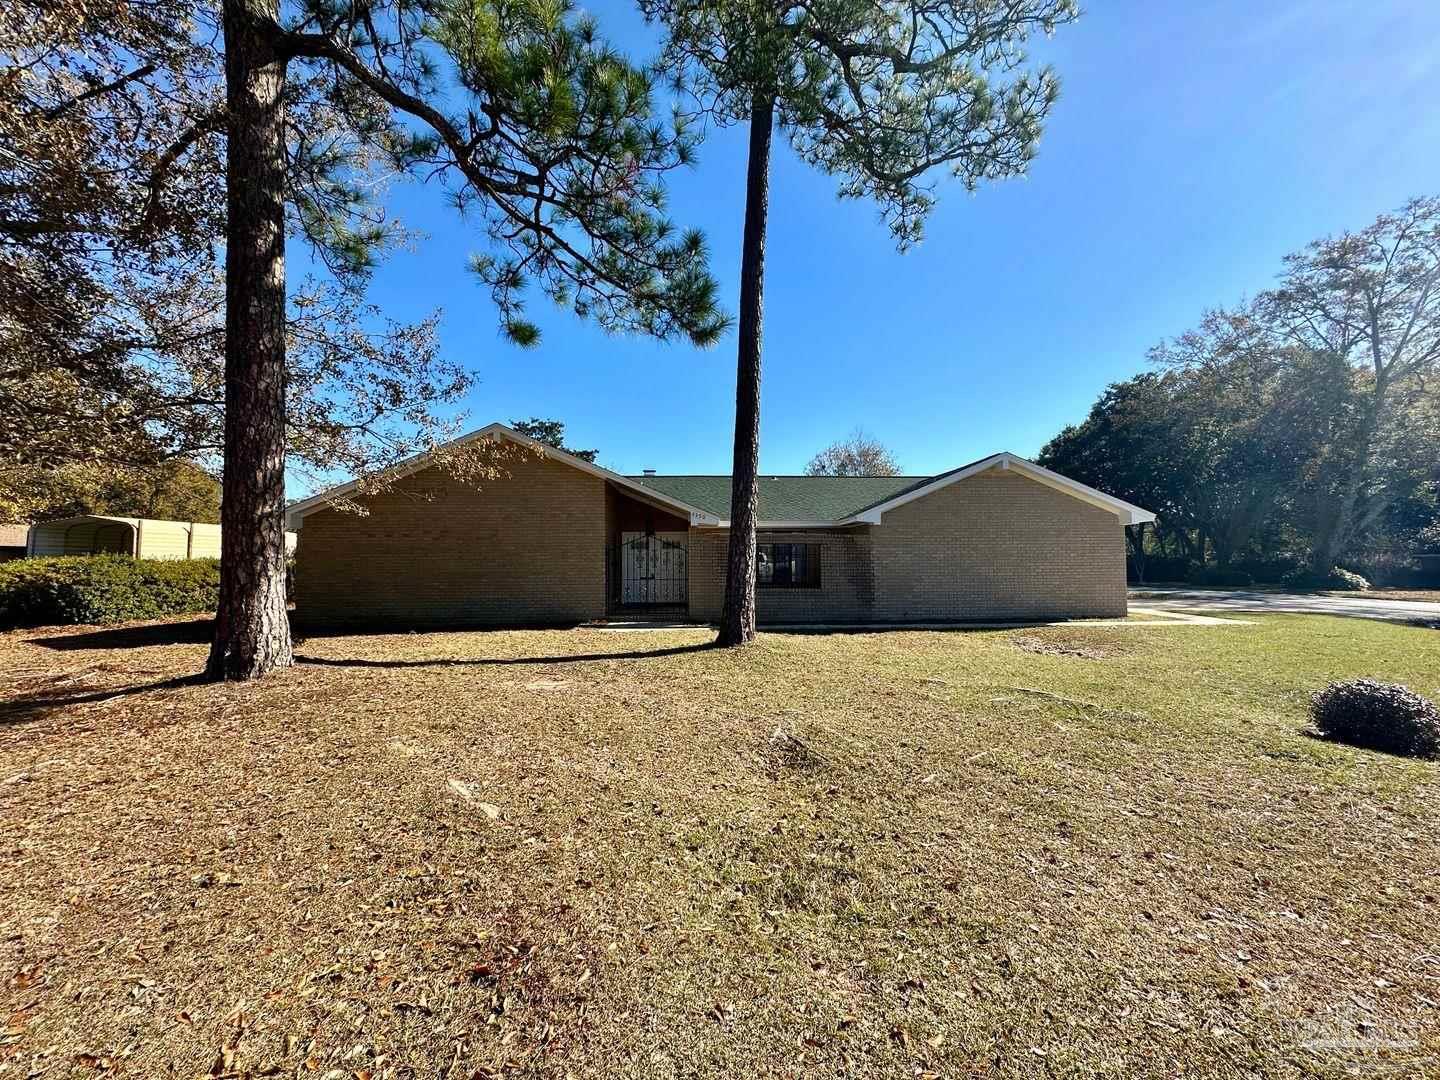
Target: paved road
pixel 1179 598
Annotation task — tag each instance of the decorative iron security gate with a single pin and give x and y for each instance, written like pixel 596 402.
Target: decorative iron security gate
pixel 654 569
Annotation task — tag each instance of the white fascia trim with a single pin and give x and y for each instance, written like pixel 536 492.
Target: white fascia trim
pixel 299 510
pixel 1128 513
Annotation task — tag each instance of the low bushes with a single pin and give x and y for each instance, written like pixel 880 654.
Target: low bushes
pixel 1347 580
pixel 1338 580
pixel 1158 569
pixel 1377 716
pixel 1277 567
pixel 104 589
pixel 1283 568
pixel 1223 577
pixel 1392 571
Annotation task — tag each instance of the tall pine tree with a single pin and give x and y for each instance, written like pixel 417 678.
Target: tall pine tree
pixel 551 140
pixel 876 93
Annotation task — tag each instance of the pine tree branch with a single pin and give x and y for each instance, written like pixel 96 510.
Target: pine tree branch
pixel 523 186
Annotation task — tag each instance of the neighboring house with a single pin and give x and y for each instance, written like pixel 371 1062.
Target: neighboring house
pixel 560 540
pixel 144 538
pixel 12 541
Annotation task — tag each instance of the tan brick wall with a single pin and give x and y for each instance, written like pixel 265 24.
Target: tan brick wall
pixel 531 549
pixel 847 580
pixel 526 549
pixel 995 546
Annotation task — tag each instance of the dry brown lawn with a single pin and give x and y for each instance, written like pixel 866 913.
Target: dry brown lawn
pixel 1049 852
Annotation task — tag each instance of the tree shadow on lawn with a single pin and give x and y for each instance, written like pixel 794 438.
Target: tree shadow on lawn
pixel 506 661
pixel 44 701
pixel 198 632
pixel 150 635
pixel 40 705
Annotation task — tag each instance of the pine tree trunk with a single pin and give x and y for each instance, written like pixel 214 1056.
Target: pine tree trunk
pixel 252 630
pixel 737 619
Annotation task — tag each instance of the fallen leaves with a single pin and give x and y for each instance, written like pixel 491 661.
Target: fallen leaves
pixel 465 875
pixel 467 792
pixel 209 879
pixel 1053 646
pixel 459 787
pixel 224 1062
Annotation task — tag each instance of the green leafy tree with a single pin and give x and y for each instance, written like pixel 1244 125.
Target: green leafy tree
pixel 174 489
pixel 1244 416
pixel 109 216
pixel 551 433
pixel 1218 444
pixel 1251 438
pixel 878 94
pixel 109 364
pixel 112 116
pixel 1128 446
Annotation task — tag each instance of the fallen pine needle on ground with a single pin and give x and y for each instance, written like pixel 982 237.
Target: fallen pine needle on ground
pixel 1057 851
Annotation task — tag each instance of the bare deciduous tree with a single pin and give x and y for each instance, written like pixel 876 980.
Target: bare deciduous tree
pixel 855 455
pixel 122 122
pixel 1303 422
pixel 1372 299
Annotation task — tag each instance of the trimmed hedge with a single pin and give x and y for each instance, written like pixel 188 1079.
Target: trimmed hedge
pixel 104 589
pixel 1377 716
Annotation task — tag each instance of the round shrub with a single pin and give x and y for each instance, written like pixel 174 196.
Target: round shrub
pixel 1377 716
pixel 1347 580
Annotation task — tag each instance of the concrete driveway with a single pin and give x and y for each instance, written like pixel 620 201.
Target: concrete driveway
pixel 1182 598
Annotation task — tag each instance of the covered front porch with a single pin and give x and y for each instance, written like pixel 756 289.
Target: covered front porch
pixel 647 564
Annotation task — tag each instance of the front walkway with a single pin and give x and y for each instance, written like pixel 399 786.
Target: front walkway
pixel 1139 617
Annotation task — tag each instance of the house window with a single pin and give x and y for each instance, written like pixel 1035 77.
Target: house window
pixel 787 566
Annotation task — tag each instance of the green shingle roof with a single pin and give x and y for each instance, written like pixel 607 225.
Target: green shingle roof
pixel 786 498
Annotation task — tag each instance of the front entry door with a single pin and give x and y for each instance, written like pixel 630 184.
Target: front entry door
pixel 654 568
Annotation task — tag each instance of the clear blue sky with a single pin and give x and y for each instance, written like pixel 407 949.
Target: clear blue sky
pixel 1194 145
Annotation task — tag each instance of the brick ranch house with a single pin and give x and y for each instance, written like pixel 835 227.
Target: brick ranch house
pixel 559 540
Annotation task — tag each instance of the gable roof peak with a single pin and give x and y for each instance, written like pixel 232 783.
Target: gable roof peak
pixel 295 512
pixel 848 500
